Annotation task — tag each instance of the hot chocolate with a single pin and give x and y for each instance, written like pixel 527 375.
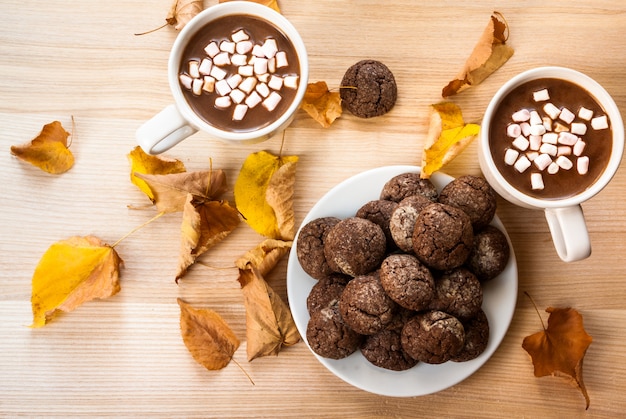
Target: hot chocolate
pixel 550 138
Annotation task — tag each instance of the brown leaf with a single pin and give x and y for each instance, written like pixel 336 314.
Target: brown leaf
pixel 182 11
pixel 170 191
pixel 559 350
pixel 205 223
pixel 269 3
pixel 206 335
pixel 143 163
pixel 489 54
pixel 48 151
pixel 321 104
pixel 265 256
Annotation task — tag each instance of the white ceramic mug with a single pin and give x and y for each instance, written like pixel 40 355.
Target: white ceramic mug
pixel 178 121
pixel 565 217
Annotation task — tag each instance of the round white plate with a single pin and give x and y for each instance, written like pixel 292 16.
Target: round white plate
pixel 499 298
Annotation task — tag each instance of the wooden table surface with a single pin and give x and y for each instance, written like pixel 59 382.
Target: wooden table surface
pixel 124 356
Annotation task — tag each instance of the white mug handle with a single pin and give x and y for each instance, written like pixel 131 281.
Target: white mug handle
pixel 569 232
pixel 163 131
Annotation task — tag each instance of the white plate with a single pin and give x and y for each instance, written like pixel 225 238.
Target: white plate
pixel 499 298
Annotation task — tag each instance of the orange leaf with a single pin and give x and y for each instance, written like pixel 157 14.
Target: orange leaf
pixel 205 223
pixel 140 162
pixel 559 350
pixel 321 104
pixel 72 272
pixel 489 54
pixel 182 11
pixel 48 151
pixel 269 3
pixel 206 335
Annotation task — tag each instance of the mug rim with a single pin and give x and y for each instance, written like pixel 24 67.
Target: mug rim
pixel 226 9
pixel 599 94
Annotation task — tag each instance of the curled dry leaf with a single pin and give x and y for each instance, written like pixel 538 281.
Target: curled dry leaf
pixel 48 151
pixel 265 256
pixel 269 3
pixel 264 194
pixel 207 336
pixel 321 104
pixel 141 162
pixel 489 54
pixel 559 349
pixel 447 137
pixel 72 272
pixel 182 11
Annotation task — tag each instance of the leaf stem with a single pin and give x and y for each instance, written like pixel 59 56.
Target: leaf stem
pixel 137 228
pixel 151 30
pixel 243 370
pixel 536 309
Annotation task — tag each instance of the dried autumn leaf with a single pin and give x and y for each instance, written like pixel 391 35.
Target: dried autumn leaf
pixel 321 104
pixel 264 194
pixel 205 223
pixel 72 272
pixel 170 191
pixel 265 256
pixel 559 350
pixel 48 151
pixel 141 162
pixel 447 137
pixel 269 3
pixel 182 11
pixel 269 324
pixel 489 54
pixel 207 336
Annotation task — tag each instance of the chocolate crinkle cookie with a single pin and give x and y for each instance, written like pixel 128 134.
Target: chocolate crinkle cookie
pixel 476 338
pixel 490 253
pixel 403 218
pixel 406 184
pixel 368 89
pixel 310 246
pixel 407 281
pixel 474 196
pixel 379 212
pixel 384 349
pixel 433 337
pixel 326 292
pixel 364 305
pixel 355 246
pixel 443 236
pixel 458 292
pixel 329 336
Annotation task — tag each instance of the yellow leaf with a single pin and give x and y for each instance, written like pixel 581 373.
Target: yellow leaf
pixel 321 104
pixel 269 3
pixel 72 272
pixel 207 336
pixel 48 151
pixel 264 194
pixel 143 163
pixel 447 137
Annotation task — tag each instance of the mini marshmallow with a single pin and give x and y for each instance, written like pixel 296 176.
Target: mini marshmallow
pixel 218 73
pixel 212 49
pixel 194 69
pixel 551 110
pixel 227 46
pixel 522 115
pixel 525 126
pixel 272 101
pixel 521 143
pixel 547 123
pixel 535 141
pixel 582 165
pixel 522 164
pixel 222 88
pixel 532 155
pixel 513 130
pixel 260 66
pixel 253 99
pixel 262 89
pixel 510 156
pixel 542 161
pixel 248 84
pixel 223 102
pixel 237 96
pixel 275 83
pixel 239 112
pixel 205 66
pixel 566 116
pixel 281 59
pixel 550 138
pixel 537 130
pixel 257 51
pixel 600 122
pixel 271 65
pixel 578 128
pixel 584 113
pixel 291 82
pixel 579 147
pixel 185 80
pixel 563 150
pixel 234 80
pixel 558 127
pixel 239 60
pixel 209 84
pixel 270 48
pixel 549 149
pixel 567 138
pixel 536 181
pixel 541 95
pixel 564 162
pixel 196 86
pixel 535 118
pixel 553 169
pixel 243 47
pixel 263 78
pixel 222 59
pixel 239 36
pixel 246 70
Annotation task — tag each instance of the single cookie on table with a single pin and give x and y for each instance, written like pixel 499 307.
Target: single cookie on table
pixel 355 246
pixel 406 184
pixel 490 253
pixel 326 291
pixel 368 89
pixel 365 306
pixel 403 218
pixel 379 212
pixel 433 337
pixel 310 246
pixel 458 292
pixel 443 236
pixel 476 338
pixel 329 336
pixel 474 196
pixel 407 281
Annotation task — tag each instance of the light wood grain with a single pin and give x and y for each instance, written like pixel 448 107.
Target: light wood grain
pixel 124 356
